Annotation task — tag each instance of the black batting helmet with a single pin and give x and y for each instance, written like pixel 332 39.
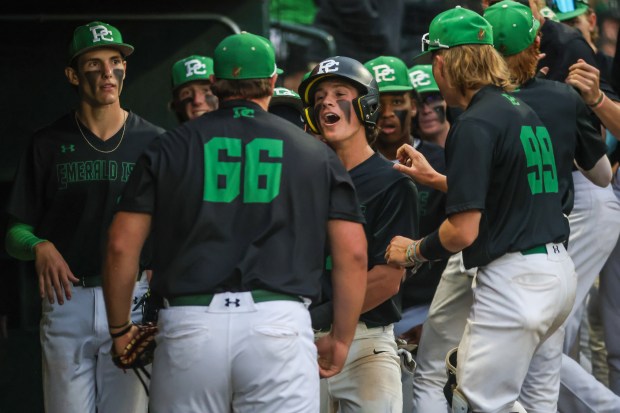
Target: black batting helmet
pixel 366 105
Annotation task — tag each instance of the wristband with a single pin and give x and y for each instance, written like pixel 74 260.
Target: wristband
pixel 432 249
pixel 122 332
pixel 598 101
pixel 125 324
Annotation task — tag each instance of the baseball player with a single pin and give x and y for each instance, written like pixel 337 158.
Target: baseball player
pixel 399 104
pixel 287 104
pixel 431 123
pixel 506 217
pixel 191 88
pixel 342 100
pixel 66 185
pixel 239 232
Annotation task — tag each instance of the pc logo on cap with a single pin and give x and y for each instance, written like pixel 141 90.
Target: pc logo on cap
pixel 95 35
pixel 191 68
pixel 422 79
pixel 390 73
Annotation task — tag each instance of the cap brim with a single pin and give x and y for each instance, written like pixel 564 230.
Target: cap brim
pixel 424 58
pixel 581 9
pixel 279 71
pixel 386 89
pixel 125 49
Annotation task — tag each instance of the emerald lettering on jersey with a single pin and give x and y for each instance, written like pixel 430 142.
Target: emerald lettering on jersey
pixel 542 172
pixel 97 170
pixel 262 170
pixel 242 112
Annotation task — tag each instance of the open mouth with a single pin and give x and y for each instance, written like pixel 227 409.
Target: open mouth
pixel 387 128
pixel 330 118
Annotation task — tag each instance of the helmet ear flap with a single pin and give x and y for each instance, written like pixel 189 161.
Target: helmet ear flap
pixel 311 120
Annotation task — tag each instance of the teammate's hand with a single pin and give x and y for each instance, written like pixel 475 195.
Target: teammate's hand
pixel 585 78
pixel 55 276
pixel 332 355
pixel 414 164
pixel 413 335
pixel 396 251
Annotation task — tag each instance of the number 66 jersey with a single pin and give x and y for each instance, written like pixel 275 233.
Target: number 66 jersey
pixel 229 194
pixel 509 173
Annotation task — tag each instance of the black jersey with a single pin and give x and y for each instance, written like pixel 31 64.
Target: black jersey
pixel 570 126
pixel 420 288
pixel 500 161
pixel 390 204
pixel 240 199
pixel 67 185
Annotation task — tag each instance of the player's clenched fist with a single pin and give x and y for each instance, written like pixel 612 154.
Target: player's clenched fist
pixel 396 252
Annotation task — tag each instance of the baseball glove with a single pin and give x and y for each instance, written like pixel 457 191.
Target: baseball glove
pixel 139 351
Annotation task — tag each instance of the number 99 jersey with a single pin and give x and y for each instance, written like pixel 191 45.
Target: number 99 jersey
pixel 501 161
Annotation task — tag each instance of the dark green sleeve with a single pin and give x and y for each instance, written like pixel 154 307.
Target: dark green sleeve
pixel 20 241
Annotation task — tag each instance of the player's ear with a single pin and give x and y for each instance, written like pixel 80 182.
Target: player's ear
pixel 72 76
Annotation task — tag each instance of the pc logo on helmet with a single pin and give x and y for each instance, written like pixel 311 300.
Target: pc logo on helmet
pixel 327 66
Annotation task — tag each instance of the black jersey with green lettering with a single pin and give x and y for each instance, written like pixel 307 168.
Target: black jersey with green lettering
pixel 501 161
pixel 67 185
pixel 570 126
pixel 240 200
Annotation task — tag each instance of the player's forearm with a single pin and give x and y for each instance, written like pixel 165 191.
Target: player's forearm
pixel 20 241
pixel 601 173
pixel 608 112
pixel 460 230
pixel 349 276
pixel 456 233
pixel 126 237
pixel 383 283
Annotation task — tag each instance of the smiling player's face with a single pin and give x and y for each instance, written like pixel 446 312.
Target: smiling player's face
pixel 334 111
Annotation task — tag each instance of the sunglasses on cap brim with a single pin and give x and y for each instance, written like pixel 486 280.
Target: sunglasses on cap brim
pixel 565 6
pixel 426 43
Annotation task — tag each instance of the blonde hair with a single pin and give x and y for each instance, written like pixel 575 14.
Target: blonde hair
pixel 522 65
pixel 472 66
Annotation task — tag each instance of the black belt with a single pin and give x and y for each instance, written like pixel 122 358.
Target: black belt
pixel 541 249
pixel 89 281
pixel 259 296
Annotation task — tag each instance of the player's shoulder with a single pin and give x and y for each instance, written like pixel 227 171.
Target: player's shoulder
pixel 138 124
pixel 57 130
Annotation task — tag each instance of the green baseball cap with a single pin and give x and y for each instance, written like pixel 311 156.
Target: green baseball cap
pixel 244 56
pixel 568 9
pixel 422 79
pixel 284 96
pixel 514 27
pixel 191 68
pixel 94 35
pixel 547 13
pixel 390 73
pixel 456 27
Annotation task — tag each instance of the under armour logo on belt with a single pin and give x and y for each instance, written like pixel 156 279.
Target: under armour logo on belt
pixel 236 302
pixel 556 249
